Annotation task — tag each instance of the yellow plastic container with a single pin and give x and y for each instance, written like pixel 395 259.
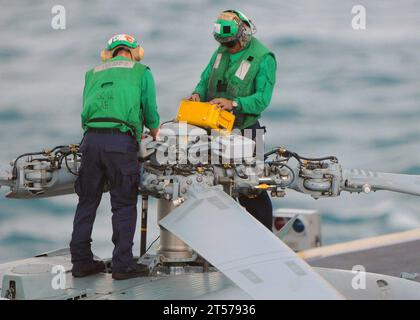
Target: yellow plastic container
pixel 205 115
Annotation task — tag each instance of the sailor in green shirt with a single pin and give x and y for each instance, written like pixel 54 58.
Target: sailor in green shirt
pixel 120 94
pixel 240 77
pixel 118 100
pixel 252 105
pixel 149 116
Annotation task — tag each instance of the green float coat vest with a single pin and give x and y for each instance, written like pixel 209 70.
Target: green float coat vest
pixel 112 95
pixel 237 79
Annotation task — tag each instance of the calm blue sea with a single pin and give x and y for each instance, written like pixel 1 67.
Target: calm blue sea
pixel 354 94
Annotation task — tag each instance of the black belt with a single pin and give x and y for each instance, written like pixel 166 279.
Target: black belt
pixel 109 130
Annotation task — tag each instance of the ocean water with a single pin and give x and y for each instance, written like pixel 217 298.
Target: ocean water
pixel 353 94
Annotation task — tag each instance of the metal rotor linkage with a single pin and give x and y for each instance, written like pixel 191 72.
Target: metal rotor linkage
pixel 190 159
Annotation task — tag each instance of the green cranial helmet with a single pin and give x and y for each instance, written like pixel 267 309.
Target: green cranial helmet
pixel 233 25
pixel 121 40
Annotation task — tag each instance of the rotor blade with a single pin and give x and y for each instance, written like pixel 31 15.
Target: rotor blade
pixel 364 180
pixel 227 236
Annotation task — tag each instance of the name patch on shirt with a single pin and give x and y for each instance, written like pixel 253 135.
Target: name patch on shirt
pixel 217 61
pixel 114 64
pixel 243 69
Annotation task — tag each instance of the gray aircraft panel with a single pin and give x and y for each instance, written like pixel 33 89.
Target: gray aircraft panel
pixel 212 285
pixel 179 287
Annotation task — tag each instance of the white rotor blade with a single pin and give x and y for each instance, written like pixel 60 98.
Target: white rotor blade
pixel 404 183
pixel 227 236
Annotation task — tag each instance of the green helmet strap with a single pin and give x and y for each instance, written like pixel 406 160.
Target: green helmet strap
pixel 241 16
pixel 244 19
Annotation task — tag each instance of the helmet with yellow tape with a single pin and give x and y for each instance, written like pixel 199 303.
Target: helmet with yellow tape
pixel 232 26
pixel 122 41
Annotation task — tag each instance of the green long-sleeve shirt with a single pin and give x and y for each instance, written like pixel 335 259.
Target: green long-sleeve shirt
pixel 264 85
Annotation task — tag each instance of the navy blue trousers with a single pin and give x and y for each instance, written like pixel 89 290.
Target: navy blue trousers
pixel 107 158
pixel 259 207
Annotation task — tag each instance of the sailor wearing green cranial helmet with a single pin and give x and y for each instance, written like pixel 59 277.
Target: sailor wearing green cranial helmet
pixel 240 77
pixel 119 99
pixel 233 25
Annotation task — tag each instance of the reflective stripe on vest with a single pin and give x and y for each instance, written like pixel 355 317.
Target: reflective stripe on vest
pixel 114 64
